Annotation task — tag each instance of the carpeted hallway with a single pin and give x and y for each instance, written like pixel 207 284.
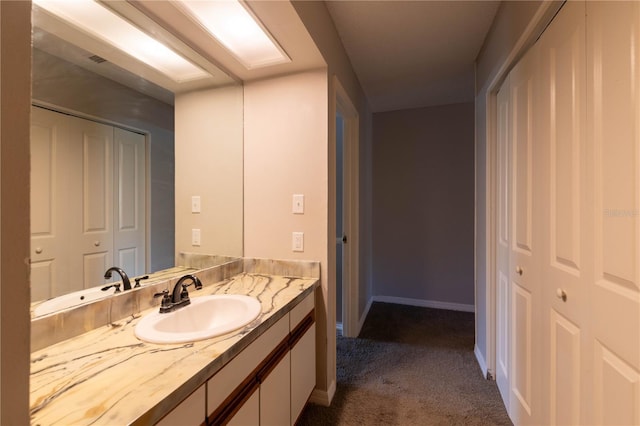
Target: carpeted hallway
pixel 410 366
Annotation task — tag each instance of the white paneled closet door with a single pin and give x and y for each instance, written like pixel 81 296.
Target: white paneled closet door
pixel 94 175
pixel 503 243
pixel 565 181
pixel 130 201
pixel 88 198
pixel 613 135
pixel 524 273
pixel 49 268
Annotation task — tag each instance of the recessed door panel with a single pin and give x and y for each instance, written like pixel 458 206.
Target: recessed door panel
pixel 564 372
pixel 617 388
pixel 521 338
pixel 522 108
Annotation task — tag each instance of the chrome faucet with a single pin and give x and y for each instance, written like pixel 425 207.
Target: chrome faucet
pixel 126 284
pixel 180 296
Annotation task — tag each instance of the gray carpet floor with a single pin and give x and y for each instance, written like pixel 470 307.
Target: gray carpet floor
pixel 410 366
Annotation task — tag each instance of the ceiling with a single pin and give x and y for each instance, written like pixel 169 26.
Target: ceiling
pixel 412 54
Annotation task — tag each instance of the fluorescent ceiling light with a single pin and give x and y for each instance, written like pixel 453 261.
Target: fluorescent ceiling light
pixel 231 23
pixel 100 22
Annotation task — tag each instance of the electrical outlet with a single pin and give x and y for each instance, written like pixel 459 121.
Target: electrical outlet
pixel 195 237
pixel 297 243
pixel 195 204
pixel 298 204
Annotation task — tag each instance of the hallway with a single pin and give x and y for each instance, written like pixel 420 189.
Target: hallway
pixel 410 366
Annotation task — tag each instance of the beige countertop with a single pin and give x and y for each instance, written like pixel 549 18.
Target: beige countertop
pixel 107 376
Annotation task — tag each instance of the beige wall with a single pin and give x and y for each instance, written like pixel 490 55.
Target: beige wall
pixel 208 161
pixel 15 100
pixel 286 153
pixel 318 22
pixel 515 27
pixel 423 187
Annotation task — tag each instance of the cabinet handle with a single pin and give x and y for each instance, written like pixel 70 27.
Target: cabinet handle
pixel 561 294
pixel 38 250
pixel 519 270
pixel 96 243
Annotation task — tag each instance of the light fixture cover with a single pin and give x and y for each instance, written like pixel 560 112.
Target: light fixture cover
pixel 100 22
pixel 234 26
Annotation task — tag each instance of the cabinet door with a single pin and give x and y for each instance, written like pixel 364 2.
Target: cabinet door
pixel 249 412
pixel 275 392
pixel 191 411
pixel 303 371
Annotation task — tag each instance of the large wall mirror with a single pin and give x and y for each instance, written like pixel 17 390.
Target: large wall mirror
pixel 107 187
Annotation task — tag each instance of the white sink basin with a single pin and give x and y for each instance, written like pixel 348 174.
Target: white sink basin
pixel 68 300
pixel 205 317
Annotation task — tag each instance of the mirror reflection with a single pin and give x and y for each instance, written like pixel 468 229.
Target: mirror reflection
pixel 104 175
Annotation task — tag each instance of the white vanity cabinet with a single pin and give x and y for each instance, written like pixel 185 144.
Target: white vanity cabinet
pixel 303 355
pixel 270 381
pixel 190 412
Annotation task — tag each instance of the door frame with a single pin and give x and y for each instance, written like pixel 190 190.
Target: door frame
pixel 341 102
pixel 543 16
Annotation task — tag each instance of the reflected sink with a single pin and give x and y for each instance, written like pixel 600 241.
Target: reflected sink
pixel 205 317
pixel 68 300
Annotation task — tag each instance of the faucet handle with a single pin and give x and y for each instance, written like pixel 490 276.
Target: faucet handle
pixel 117 287
pixel 137 280
pixel 165 305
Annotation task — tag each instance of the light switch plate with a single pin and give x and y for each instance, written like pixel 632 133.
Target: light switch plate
pixel 298 204
pixel 297 243
pixel 195 237
pixel 195 204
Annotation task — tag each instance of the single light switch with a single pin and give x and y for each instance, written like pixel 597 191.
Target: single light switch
pixel 195 237
pixel 298 241
pixel 298 204
pixel 195 204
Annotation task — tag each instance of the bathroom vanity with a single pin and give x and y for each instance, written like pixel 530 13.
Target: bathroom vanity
pixel 263 372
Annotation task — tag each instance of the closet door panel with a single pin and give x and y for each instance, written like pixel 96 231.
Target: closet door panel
pixel 503 245
pixel 613 48
pixel 564 188
pixel 525 246
pixel 96 228
pixel 130 201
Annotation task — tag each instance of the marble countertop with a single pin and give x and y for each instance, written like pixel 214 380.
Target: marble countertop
pixel 108 376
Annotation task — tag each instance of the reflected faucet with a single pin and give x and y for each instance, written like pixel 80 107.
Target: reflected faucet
pixel 126 284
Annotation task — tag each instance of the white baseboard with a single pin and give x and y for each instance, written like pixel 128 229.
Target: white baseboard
pixel 339 327
pixel 425 303
pixel 323 397
pixel 481 361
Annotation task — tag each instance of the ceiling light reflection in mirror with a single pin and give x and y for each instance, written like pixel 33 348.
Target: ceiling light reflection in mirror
pixel 235 27
pixel 100 22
